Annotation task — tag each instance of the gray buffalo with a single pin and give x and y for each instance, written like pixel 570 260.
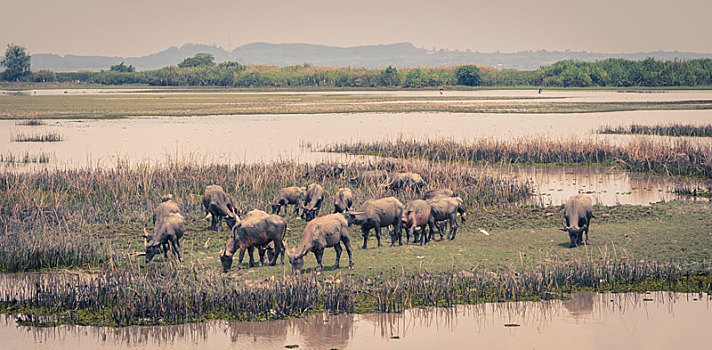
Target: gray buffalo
pixel 168 228
pixel 313 198
pixel 446 209
pixel 406 180
pixel 323 232
pixel 343 200
pixel 255 231
pixel 578 212
pixel 218 205
pixel 417 215
pixel 322 171
pixel 370 177
pixel 289 195
pixel 377 213
pixel 437 193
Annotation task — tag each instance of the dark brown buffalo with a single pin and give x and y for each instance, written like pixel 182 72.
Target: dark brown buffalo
pixel 417 215
pixel 218 205
pixel 343 200
pixel 168 228
pixel 578 212
pixel 322 171
pixel 377 213
pixel 313 198
pixel 320 233
pixel 254 231
pixel 290 195
pixel 406 180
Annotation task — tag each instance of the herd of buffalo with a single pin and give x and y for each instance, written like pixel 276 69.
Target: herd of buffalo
pixel 265 232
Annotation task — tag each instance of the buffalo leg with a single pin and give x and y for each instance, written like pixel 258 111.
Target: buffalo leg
pixel 164 246
pixel 337 248
pixel 347 245
pixel 587 242
pixel 277 250
pixel 176 247
pixel 251 251
pixel 261 253
pixel 453 226
pixel 364 233
pixel 318 253
pixel 378 234
pixel 214 221
pixel 242 256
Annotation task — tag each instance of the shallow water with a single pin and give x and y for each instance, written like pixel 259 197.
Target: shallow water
pixel 586 321
pixel 264 138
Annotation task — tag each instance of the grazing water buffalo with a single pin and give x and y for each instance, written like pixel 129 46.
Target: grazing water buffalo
pixel 218 205
pixel 406 180
pixel 290 195
pixel 578 212
pixel 446 209
pixel 343 200
pixel 313 198
pixel 370 176
pixel 417 215
pixel 377 213
pixel 255 230
pixel 322 171
pixel 168 227
pixel 320 233
pixel 437 193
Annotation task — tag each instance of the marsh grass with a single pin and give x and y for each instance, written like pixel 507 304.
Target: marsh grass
pixel 679 158
pixel 180 296
pixel 664 130
pixel 26 158
pixel 46 137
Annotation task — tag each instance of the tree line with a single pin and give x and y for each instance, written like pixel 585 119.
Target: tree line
pixel 202 70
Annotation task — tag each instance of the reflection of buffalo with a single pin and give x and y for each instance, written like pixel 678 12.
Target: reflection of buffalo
pixel 578 212
pixel 580 304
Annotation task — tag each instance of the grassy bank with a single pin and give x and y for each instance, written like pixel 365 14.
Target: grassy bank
pixel 196 104
pixel 681 158
pixel 663 130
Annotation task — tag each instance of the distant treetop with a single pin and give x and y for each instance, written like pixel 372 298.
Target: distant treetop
pixel 200 59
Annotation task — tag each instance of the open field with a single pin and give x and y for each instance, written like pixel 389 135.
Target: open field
pixel 177 104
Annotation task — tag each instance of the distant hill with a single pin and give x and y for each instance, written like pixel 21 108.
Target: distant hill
pixel 371 56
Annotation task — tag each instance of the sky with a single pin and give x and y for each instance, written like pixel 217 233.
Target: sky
pixel 139 27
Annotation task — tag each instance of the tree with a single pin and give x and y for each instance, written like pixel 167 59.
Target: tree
pixel 389 77
pixel 16 62
pixel 200 59
pixel 121 67
pixel 44 76
pixel 468 75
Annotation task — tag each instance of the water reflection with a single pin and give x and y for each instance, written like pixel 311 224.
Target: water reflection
pixel 588 320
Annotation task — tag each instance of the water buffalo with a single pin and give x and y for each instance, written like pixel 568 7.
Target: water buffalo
pixel 290 195
pixel 370 176
pixel 437 193
pixel 322 171
pixel 417 215
pixel 343 200
pixel 406 180
pixel 446 209
pixel 255 230
pixel 578 212
pixel 377 213
pixel 313 198
pixel 320 233
pixel 168 228
pixel 218 205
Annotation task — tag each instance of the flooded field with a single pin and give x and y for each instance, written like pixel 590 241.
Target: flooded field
pixel 265 138
pixel 585 321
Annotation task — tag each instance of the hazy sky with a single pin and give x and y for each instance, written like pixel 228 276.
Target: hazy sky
pixel 140 27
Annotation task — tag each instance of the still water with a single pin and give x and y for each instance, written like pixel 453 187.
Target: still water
pixel 585 321
pixel 264 138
